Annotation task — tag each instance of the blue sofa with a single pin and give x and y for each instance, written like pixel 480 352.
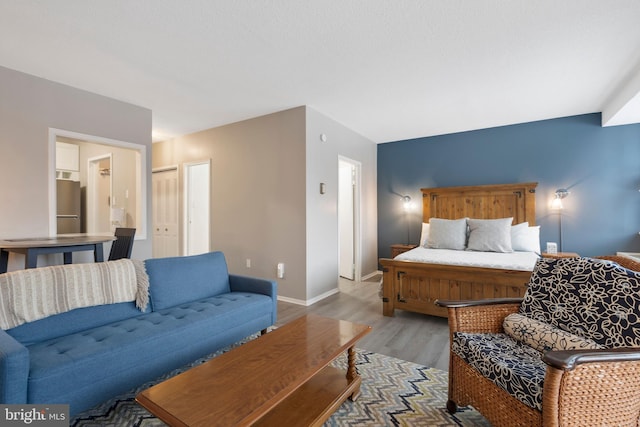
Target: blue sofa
pixel 87 355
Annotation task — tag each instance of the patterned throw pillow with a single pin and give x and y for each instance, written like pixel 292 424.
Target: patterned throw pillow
pixel 542 336
pixel 591 298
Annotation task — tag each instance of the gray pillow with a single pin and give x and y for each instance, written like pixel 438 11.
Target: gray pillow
pixel 490 235
pixel 447 233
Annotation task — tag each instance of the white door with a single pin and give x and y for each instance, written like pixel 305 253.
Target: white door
pixel 346 218
pixel 165 213
pixel 197 196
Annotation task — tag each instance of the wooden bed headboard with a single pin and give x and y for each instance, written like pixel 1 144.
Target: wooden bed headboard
pixel 481 201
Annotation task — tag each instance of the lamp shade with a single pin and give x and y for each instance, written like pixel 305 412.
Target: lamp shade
pixel 560 194
pixel 406 203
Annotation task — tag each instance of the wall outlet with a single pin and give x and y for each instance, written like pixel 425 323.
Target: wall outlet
pixel 552 248
pixel 248 263
pixel 280 270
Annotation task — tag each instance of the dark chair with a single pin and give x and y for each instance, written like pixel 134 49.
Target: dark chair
pixel 123 245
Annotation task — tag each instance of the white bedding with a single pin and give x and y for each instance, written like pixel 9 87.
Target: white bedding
pixel 523 261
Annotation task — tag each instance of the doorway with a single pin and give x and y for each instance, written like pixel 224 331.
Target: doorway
pixel 99 195
pixel 348 218
pixel 197 190
pixel 165 212
pixel 129 180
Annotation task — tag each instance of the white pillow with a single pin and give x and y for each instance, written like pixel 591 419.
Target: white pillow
pixel 447 233
pixel 490 235
pixel 519 229
pixel 424 236
pixel 525 238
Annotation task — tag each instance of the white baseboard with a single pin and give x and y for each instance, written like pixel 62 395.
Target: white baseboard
pixel 311 301
pixel 370 275
pixel 320 297
pixel 292 300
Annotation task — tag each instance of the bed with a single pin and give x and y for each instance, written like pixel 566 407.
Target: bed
pixel 414 285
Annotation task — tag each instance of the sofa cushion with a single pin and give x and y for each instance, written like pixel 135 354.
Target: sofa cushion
pixel 130 352
pixel 513 366
pixel 74 321
pixel 591 298
pixel 542 336
pixel 177 280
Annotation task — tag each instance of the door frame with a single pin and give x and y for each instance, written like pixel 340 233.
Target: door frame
pixel 357 222
pixel 141 176
pixel 92 165
pixel 185 196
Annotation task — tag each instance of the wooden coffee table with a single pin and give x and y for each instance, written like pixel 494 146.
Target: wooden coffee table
pixel 281 378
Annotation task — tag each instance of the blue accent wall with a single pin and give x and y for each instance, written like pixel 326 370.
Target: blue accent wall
pixel 599 165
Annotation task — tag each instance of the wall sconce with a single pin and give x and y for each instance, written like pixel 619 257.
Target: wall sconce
pixel 407 205
pixel 556 203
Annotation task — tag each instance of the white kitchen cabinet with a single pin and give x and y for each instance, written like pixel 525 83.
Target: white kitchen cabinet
pixel 67 157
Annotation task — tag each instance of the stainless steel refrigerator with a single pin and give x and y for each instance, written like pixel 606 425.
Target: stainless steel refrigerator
pixel 68 210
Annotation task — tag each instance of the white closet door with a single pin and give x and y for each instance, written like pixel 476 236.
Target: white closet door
pixel 165 213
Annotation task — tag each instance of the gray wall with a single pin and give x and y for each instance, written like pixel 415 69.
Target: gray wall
pixel 265 203
pixel 257 192
pixel 29 106
pixel 322 218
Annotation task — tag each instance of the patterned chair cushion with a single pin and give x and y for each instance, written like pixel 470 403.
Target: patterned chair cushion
pixel 542 336
pixel 594 299
pixel 513 366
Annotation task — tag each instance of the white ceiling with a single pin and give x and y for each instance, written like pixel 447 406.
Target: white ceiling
pixel 387 69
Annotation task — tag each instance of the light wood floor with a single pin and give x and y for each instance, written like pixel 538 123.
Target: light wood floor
pixel 408 336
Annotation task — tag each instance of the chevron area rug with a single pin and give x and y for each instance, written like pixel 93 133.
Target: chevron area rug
pixel 393 393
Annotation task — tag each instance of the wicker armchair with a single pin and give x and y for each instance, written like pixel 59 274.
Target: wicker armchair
pixel 595 386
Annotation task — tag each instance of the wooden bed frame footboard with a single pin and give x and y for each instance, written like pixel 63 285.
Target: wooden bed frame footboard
pixel 415 286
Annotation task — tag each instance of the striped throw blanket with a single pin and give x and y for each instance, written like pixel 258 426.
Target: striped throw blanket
pixel 28 295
